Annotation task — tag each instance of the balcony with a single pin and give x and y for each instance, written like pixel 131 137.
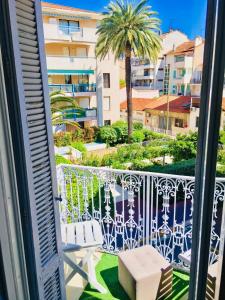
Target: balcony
pixel 54 32
pixel 81 115
pixel 71 62
pixel 142 85
pixel 196 81
pixel 144 76
pixel 136 209
pixel 74 90
pixel 141 63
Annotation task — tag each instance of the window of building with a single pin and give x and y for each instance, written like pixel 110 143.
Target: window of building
pixel 179 123
pixel 68 27
pixel 68 79
pixel 174 91
pixel 179 58
pixel 180 72
pixel 107 122
pixel 146 72
pixel 106 80
pixel 106 103
pixel 197 122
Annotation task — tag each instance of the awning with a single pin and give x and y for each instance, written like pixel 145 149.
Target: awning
pixel 70 72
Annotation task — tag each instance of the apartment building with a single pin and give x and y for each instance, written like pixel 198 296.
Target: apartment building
pixel 70 41
pixel 183 67
pixel 147 75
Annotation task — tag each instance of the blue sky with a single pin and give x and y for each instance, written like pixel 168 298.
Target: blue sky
pixel 186 15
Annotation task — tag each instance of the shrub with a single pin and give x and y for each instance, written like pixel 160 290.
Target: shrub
pixel 154 151
pixel 137 136
pixel 138 165
pixel 121 131
pixel 137 125
pixel 93 161
pixel 59 159
pixel 222 137
pixel 79 146
pixel 108 159
pixel 108 135
pixel 151 135
pixel 186 167
pixel 89 134
pixel 184 147
pixel 78 135
pixel 130 152
pixel 62 139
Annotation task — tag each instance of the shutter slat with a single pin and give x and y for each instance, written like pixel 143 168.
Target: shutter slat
pixel 20 5
pixel 26 54
pixel 31 68
pixel 26 3
pixel 34 99
pixel 25 15
pixel 34 105
pixel 38 144
pixel 32 81
pixel 31 75
pixel 25 21
pixel 33 93
pixel 36 128
pixel 30 62
pixel 35 111
pixel 26 28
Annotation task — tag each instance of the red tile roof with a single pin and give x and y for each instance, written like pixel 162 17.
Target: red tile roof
pixel 63 7
pixel 178 104
pixel 140 104
pixel 186 48
pixel 181 104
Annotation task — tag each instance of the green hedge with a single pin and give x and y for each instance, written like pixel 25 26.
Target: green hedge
pixel 79 146
pixel 59 159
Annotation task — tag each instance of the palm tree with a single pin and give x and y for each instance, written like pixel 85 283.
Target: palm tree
pixel 60 108
pixel 126 29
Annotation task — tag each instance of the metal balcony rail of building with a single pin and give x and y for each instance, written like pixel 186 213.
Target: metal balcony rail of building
pixel 73 88
pixel 137 208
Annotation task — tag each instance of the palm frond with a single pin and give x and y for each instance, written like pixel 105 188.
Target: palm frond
pixel 125 22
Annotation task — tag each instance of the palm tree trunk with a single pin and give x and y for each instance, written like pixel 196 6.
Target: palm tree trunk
pixel 128 89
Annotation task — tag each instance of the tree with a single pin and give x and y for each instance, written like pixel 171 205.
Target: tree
pixel 60 106
pixel 126 29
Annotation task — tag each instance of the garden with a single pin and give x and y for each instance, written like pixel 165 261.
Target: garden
pixel 149 151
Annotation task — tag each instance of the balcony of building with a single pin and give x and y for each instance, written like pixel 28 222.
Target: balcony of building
pixel 74 90
pixel 87 114
pixel 141 64
pixel 58 32
pixel 134 209
pixel 63 62
pixel 143 84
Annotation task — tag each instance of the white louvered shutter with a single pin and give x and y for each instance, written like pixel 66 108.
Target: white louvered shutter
pixel 34 104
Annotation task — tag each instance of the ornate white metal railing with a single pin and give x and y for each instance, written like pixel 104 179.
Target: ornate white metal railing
pixel 136 208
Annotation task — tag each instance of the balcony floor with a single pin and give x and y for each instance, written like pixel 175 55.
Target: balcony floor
pixel 107 274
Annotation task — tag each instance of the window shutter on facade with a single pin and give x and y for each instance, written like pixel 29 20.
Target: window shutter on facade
pixel 174 74
pixel 31 76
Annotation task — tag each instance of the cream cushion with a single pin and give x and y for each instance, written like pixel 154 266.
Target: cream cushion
pixel 140 272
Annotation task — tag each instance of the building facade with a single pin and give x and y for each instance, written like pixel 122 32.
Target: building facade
pixel 147 75
pixel 171 114
pixel 70 41
pixel 182 68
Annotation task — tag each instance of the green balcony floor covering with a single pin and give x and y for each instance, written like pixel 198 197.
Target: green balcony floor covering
pixel 107 275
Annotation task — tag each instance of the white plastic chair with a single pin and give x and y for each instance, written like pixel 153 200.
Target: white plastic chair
pixel 82 235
